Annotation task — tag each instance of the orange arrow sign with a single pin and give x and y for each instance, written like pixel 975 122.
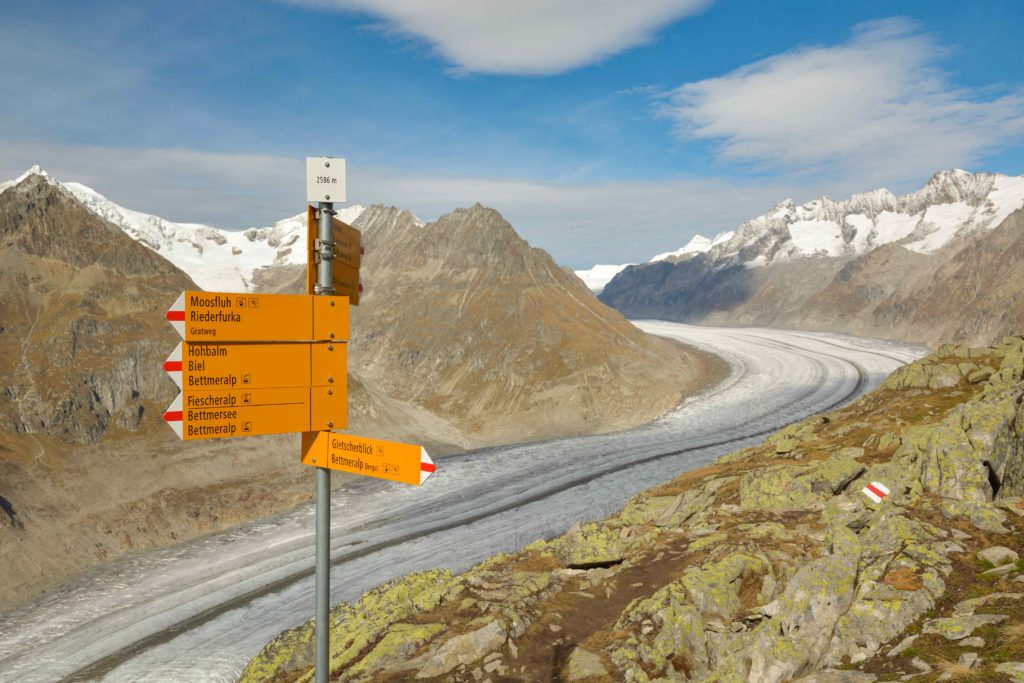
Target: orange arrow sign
pixel 199 365
pixel 218 414
pixel 226 316
pixel 402 462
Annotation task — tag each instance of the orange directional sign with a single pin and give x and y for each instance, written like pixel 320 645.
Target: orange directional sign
pixel 222 317
pixel 348 256
pixel 217 414
pixel 402 462
pixel 232 365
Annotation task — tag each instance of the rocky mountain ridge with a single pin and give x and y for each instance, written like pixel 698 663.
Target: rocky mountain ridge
pixel 217 259
pixel 770 565
pixel 938 264
pixel 455 310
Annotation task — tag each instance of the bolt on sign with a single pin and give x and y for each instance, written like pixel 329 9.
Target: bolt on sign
pixel 402 462
pixel 348 257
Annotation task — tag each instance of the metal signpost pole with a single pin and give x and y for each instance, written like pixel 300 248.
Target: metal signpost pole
pixel 324 285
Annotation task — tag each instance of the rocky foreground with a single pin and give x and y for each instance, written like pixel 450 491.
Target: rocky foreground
pixel 770 565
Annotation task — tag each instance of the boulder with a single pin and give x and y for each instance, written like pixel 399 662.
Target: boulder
pixel 943 376
pixel 998 555
pixel 968 607
pixel 980 375
pixel 462 649
pixel 398 644
pixel 838 676
pixel 1015 670
pixel 956 628
pixel 584 665
pixel 785 446
pixel 590 545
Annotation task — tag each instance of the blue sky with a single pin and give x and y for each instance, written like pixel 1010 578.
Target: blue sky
pixel 604 131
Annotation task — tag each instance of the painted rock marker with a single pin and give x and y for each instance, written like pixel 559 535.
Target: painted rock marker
pixel 876 491
pixel 403 462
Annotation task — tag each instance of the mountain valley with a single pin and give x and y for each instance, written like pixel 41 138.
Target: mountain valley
pixel 88 470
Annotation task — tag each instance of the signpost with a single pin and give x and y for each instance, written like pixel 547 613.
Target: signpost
pixel 402 462
pixel 255 364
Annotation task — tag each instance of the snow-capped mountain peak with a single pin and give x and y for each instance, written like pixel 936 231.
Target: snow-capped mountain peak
pixel 698 244
pixel 950 204
pixel 216 259
pixel 597 277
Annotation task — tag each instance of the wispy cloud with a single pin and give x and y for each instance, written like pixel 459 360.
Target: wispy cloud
pixel 878 106
pixel 578 223
pixel 527 37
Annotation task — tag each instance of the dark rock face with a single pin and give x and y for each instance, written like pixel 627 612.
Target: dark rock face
pixel 83 336
pixel 685 291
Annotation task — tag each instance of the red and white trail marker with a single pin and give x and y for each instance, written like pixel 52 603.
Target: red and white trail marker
pixel 876 491
pixel 172 366
pixel 173 416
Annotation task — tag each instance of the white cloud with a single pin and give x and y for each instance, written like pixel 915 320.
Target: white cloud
pixel 579 224
pixel 529 37
pixel 878 106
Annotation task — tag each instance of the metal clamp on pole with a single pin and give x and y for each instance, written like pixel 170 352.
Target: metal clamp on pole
pixel 322 250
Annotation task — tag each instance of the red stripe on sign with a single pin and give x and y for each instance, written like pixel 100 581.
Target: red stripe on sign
pixel 875 490
pixel 173 416
pixel 427 467
pixel 176 315
pixel 172 366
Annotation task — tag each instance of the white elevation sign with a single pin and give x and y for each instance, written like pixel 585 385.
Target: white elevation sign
pixel 325 179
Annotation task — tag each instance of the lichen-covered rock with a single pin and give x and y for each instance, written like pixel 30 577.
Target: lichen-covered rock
pixel 584 665
pixel 1015 670
pixel 796 635
pixel 838 676
pixel 354 628
pixel 880 611
pixel 678 614
pixel 998 555
pixel 957 627
pixel 672 510
pixel 791 487
pixel 588 546
pixel 776 488
pixel 984 516
pixel 943 376
pixel 910 376
pixel 784 446
pixel 980 375
pixel 967 607
pixel 398 644
pixel 461 649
